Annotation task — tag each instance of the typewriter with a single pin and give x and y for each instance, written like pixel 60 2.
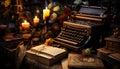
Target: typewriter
pixel 83 31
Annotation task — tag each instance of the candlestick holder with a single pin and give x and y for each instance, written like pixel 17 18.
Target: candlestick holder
pixel 43 30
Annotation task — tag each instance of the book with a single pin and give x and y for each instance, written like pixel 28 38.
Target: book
pixel 33 64
pixel 115 56
pixel 46 54
pixel 79 61
pixel 105 51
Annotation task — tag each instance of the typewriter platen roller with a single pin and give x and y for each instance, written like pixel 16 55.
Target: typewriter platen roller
pixel 93 11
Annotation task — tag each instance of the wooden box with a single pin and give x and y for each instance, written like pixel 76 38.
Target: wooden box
pixel 113 44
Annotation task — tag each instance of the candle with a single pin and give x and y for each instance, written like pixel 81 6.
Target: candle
pixel 25 25
pixel 36 20
pixel 46 13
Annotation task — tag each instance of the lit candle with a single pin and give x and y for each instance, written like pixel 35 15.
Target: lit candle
pixel 25 25
pixel 36 20
pixel 46 13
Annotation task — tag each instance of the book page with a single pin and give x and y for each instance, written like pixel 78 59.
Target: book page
pixel 40 54
pixel 53 51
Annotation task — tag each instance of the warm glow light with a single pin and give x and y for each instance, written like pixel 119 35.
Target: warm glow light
pixel 46 13
pixel 25 25
pixel 36 20
pixel 37 11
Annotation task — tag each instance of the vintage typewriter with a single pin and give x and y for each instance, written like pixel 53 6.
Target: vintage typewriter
pixel 82 31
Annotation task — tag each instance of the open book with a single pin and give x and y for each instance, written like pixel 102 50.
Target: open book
pixel 46 54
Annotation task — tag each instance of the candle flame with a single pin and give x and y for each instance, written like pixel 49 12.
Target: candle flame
pixel 35 16
pixel 46 8
pixel 25 21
